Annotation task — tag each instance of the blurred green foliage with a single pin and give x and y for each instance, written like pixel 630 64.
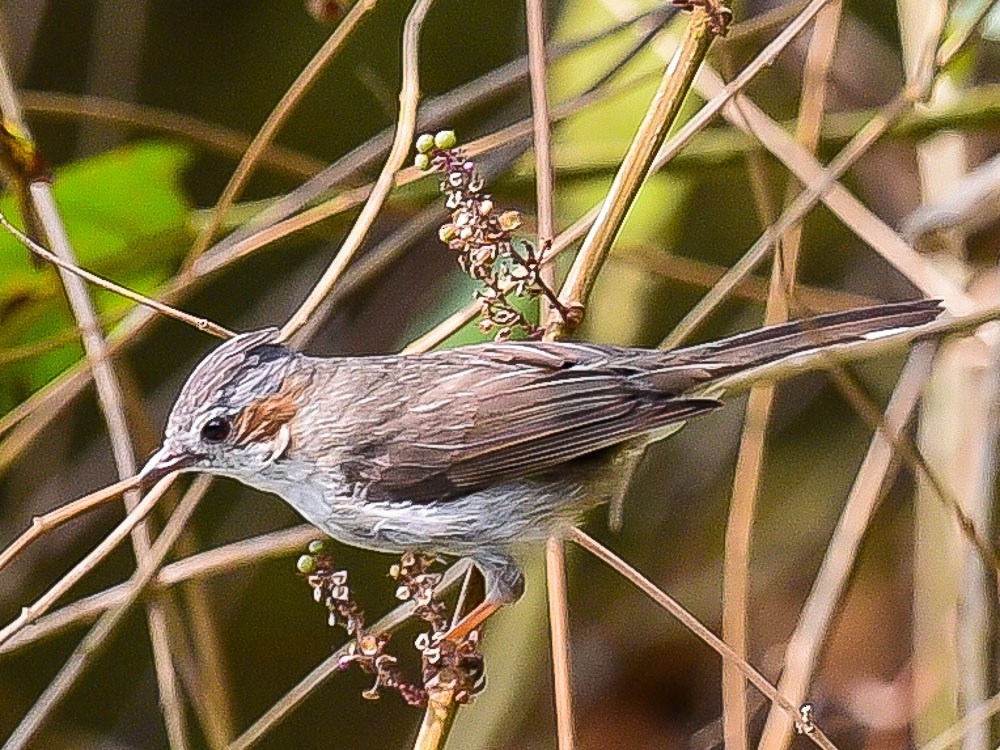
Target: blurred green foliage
pixel 128 219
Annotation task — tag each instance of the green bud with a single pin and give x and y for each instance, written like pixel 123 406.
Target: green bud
pixel 445 139
pixel 316 546
pixel 425 143
pixel 422 162
pixel 306 564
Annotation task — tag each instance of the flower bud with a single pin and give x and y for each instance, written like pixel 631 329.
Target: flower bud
pixel 509 220
pixel 445 139
pixel 316 546
pixel 425 143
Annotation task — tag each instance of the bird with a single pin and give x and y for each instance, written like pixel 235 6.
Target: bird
pixel 472 451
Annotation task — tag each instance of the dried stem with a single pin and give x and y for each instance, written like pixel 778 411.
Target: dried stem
pixel 555 578
pixel 113 539
pixel 109 396
pixel 202 324
pixel 438 718
pixel 692 623
pixel 635 167
pixel 198 566
pixel 838 562
pixel 276 119
pixel 331 665
pixel 46 522
pixel 750 458
pixel 210 136
pixel 535 16
pixel 409 95
pixel 91 646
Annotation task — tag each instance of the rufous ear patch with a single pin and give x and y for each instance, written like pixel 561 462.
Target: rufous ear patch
pixel 262 420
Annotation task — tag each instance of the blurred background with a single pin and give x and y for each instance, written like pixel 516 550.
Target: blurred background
pixel 142 108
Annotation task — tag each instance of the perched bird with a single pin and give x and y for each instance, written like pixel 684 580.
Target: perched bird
pixel 468 451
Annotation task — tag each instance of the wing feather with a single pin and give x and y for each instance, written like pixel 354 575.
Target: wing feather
pixel 518 422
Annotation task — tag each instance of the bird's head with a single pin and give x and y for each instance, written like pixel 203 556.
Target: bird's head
pixel 233 416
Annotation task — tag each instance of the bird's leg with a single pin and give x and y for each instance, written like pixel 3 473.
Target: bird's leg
pixel 504 585
pixel 473 620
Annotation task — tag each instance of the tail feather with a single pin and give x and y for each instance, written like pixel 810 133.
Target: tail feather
pixel 754 348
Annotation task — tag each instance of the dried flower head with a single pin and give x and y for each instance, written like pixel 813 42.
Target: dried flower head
pixel 459 666
pixel 483 239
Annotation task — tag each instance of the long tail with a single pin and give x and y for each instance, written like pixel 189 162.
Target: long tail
pixel 754 348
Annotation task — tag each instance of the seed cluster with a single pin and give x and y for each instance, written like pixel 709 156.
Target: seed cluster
pixel 483 238
pixel 458 666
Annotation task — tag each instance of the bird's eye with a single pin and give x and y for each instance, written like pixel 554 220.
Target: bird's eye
pixel 216 430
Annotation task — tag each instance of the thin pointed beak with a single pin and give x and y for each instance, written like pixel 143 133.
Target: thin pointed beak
pixel 163 462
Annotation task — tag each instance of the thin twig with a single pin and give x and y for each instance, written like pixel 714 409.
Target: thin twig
pixel 535 16
pixel 841 552
pixel 692 623
pixel 202 324
pixel 700 274
pixel 44 523
pixel 111 401
pixel 438 718
pixel 973 719
pixel 555 579
pixel 750 457
pixel 659 117
pixel 42 605
pixel 956 42
pixel 331 665
pixel 292 96
pixel 434 113
pixel 409 96
pixel 211 137
pixel 202 565
pixel 90 647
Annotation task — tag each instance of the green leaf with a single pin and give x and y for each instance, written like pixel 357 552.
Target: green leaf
pixel 128 219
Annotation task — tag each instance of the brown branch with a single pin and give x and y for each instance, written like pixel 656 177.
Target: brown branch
pixel 90 647
pixel 195 567
pixel 44 523
pixel 202 324
pixel 42 605
pixel 750 457
pixel 555 578
pixel 713 641
pixel 635 167
pixel 331 665
pixel 220 139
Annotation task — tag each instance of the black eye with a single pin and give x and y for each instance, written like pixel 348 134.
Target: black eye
pixel 215 430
